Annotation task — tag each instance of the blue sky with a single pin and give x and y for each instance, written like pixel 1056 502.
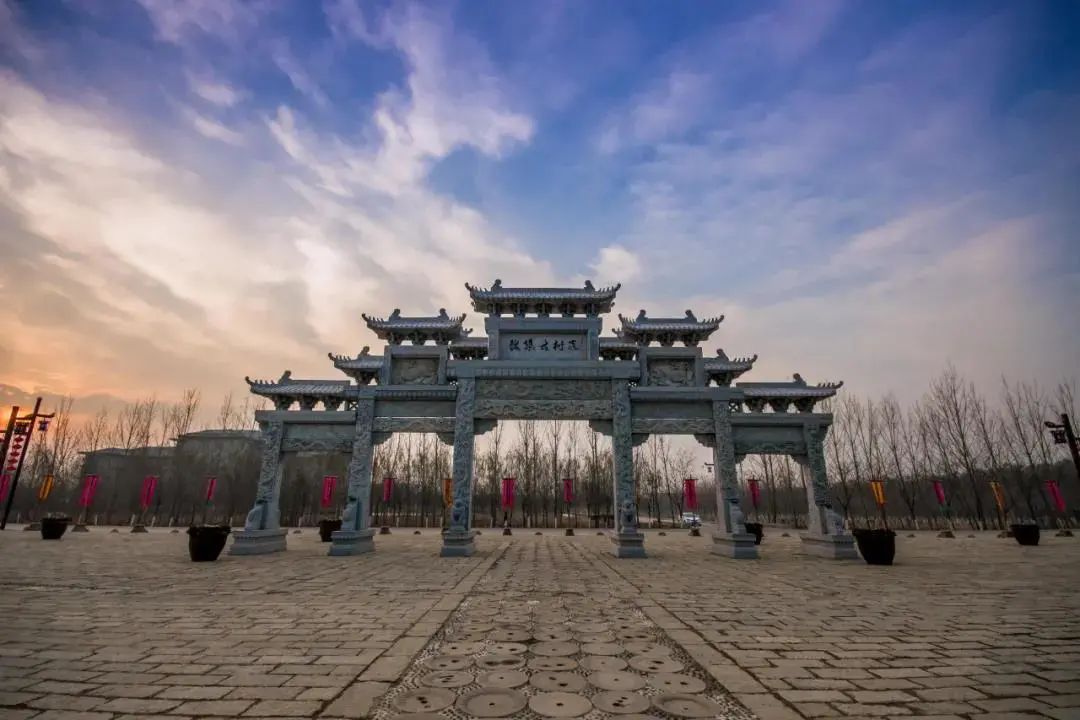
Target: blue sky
pixel 195 191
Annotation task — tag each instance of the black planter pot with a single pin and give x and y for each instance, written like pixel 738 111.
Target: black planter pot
pixel 327 528
pixel 1026 534
pixel 53 528
pixel 756 530
pixel 878 547
pixel 205 542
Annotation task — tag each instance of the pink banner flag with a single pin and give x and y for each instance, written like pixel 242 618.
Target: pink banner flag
pixel 387 489
pixel 939 492
pixel 690 493
pixel 328 483
pixel 211 486
pixel 755 491
pixel 508 493
pixel 1055 495
pixel 148 488
pixel 568 490
pixel 90 486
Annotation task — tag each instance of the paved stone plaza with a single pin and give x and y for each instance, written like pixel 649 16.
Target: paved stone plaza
pixel 110 625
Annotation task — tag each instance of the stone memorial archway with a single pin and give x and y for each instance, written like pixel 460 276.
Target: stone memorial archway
pixel 543 358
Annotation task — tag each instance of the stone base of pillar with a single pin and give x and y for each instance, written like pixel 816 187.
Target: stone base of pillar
pixel 80 528
pixel 140 528
pixel 740 546
pixel 351 542
pixel 258 542
pixel 34 526
pixel 458 543
pixel 628 544
pixel 832 547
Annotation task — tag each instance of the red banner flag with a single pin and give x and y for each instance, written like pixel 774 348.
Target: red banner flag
pixel 5 480
pixel 1055 495
pixel 211 486
pixel 508 493
pixel 568 490
pixel 689 491
pixel 387 489
pixel 939 492
pixel 755 491
pixel 448 491
pixel 149 485
pixel 89 488
pixel 328 483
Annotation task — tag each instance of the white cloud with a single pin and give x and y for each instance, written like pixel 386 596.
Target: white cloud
pixel 214 91
pixel 177 21
pixel 616 264
pixel 213 129
pixel 299 77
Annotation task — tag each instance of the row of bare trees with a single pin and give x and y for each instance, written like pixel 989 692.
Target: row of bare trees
pixel 953 434
pixel 144 432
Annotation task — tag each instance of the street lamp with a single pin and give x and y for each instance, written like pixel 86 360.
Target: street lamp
pixel 1063 434
pixel 17 439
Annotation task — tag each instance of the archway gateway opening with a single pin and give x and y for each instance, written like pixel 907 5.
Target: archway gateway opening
pixel 543 359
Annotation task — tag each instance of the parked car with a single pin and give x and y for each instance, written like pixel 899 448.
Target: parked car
pixel 690 519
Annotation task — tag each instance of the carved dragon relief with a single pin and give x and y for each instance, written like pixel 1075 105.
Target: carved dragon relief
pixel 414 371
pixel 464 443
pixel 622 445
pixel 356 515
pixel 671 373
pixel 724 469
pixel 264 514
pixel 543 390
pixel 543 409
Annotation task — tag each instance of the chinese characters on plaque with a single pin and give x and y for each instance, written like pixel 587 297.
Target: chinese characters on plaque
pixel 554 347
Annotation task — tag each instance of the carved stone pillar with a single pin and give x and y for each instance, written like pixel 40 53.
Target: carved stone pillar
pixel 458 541
pixel 355 535
pixel 731 538
pixel 628 539
pixel 825 535
pixel 262 531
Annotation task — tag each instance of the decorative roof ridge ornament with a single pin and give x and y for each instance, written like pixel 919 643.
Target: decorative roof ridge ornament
pixel 667 331
pixel 781 395
pixel 542 301
pixel 397 328
pixel 364 354
pixel 744 360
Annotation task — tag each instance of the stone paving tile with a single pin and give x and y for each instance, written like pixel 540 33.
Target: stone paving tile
pixel 112 625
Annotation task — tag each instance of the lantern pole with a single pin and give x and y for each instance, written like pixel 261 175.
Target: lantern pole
pixel 32 419
pixel 1070 439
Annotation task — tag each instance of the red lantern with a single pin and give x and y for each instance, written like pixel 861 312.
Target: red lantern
pixel 149 486
pixel 568 490
pixel 387 489
pixel 328 483
pixel 690 493
pixel 508 493
pixel 211 486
